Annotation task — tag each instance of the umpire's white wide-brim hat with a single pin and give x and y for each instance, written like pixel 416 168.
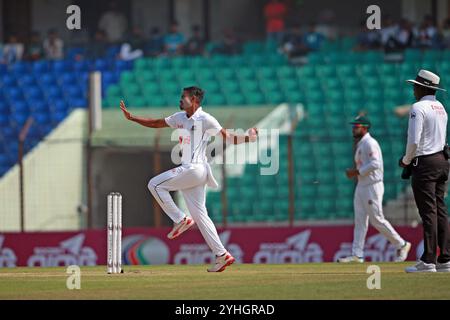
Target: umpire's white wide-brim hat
pixel 427 79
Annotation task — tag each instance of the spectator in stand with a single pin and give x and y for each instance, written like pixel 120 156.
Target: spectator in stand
pixel 293 45
pixel 99 46
pixel 367 39
pixel 275 12
pixel 229 45
pixel 404 38
pixel 133 49
pixel 174 41
pixel 13 50
pixel 445 34
pixel 114 23
pixel 427 35
pixel 388 33
pixel 34 50
pixel 312 39
pixel 196 44
pixel 53 46
pixel 327 24
pixel 156 44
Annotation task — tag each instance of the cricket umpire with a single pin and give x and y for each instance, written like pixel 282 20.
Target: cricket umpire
pixel 426 156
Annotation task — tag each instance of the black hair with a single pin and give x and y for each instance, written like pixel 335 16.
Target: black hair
pixel 195 92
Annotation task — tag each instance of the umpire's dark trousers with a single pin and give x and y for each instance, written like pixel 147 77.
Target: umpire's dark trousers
pixel 429 174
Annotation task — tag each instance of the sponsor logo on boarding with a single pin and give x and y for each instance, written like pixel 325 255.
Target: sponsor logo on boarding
pixel 295 249
pixel 201 254
pixel 377 248
pixel 69 252
pixel 7 256
pixel 140 249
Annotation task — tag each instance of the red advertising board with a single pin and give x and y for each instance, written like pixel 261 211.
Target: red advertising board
pixel 151 246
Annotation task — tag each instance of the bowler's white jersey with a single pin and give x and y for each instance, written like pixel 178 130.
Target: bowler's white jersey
pixel 194 133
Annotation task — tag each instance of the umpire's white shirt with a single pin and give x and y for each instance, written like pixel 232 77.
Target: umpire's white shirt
pixel 193 135
pixel 369 161
pixel 426 128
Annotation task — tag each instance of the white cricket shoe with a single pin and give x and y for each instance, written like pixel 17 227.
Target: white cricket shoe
pixel 402 253
pixel 443 267
pixel 351 259
pixel 181 227
pixel 222 262
pixel 421 267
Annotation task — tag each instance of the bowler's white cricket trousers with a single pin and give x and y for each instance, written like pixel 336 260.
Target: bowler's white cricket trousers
pixel 369 207
pixel 191 180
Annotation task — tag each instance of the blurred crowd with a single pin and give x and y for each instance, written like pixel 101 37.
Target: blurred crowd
pixel 283 32
pixel 403 34
pixel 113 33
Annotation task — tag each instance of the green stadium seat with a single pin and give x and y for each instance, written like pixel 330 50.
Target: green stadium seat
pixel 211 87
pixel 180 62
pixel 269 85
pixel 286 72
pixel 237 61
pixel 346 71
pixel 113 101
pixel 114 90
pixel 326 71
pixel 266 73
pixel 276 59
pixel 171 88
pixel 294 96
pixel 186 76
pixel 225 74
pixel 368 70
pixel 141 64
pixel 145 76
pixel 257 60
pixel 289 85
pixel 137 101
pixel 306 72
pixel 205 74
pixel 216 99
pixel 131 89
pixel 160 63
pixel 254 98
pixel 235 99
pixel 167 76
pixel 127 77
pixel 150 88
pixel 253 47
pixel 199 62
pixel 156 101
pixel 274 96
pixel 230 87
pixel 245 73
pixel 388 69
pixel 412 55
pixel 248 86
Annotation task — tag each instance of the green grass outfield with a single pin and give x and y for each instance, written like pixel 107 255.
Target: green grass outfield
pixel 240 282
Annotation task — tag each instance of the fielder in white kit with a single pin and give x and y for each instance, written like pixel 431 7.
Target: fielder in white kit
pixel 368 198
pixel 196 127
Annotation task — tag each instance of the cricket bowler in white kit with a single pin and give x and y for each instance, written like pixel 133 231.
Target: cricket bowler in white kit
pixel 369 192
pixel 196 127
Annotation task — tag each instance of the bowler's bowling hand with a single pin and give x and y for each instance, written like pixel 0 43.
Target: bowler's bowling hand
pixel 351 173
pixel 253 134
